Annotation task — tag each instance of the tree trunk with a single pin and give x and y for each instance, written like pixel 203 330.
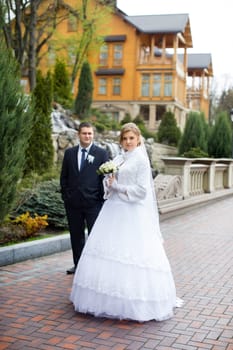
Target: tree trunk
pixel 32 45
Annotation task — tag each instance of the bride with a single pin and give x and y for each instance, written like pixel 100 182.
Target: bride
pixel 124 272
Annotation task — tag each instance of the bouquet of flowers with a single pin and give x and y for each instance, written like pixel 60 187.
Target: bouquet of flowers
pixel 107 168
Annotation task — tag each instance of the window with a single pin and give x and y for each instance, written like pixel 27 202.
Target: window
pixel 115 116
pixel 71 23
pixel 103 58
pixel 117 55
pixel 145 112
pixel 102 89
pixel 152 84
pixel 116 86
pixel 156 84
pixel 167 85
pixel 145 88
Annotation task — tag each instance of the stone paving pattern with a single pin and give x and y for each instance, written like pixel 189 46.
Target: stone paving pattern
pixel 35 311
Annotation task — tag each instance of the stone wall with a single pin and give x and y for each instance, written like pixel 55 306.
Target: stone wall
pixel 157 151
pixel 65 135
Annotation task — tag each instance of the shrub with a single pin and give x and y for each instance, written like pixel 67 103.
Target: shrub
pixel 104 122
pixel 139 121
pixel 62 85
pixel 99 127
pixel 195 153
pixel 127 119
pixel 31 225
pixel 194 135
pixel 44 198
pixel 169 133
pixel 220 141
pixel 22 227
pixel 149 134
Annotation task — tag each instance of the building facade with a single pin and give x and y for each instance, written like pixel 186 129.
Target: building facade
pixel 143 67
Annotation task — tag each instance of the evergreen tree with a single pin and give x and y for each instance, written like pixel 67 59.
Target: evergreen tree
pixel 220 142
pixel 206 130
pixel 15 128
pixel 61 85
pixel 139 121
pixel 40 152
pixel 127 119
pixel 85 88
pixel 169 133
pixel 225 103
pixel 194 134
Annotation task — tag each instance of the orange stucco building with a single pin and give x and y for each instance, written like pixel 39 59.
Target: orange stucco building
pixel 143 67
pixel 142 72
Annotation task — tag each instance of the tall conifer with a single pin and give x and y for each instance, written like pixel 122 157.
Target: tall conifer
pixel 61 84
pixel 194 134
pixel 169 133
pixel 83 100
pixel 220 142
pixel 40 152
pixel 15 128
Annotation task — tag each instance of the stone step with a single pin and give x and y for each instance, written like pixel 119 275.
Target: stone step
pixel 30 250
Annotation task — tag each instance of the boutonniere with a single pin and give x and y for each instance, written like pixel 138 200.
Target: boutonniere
pixel 90 158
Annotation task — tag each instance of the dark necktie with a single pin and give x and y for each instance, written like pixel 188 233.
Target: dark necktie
pixel 83 158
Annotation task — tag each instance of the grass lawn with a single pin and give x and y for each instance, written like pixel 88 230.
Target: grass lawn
pixel 11 239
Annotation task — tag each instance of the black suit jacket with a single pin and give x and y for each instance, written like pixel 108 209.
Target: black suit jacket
pixel 82 188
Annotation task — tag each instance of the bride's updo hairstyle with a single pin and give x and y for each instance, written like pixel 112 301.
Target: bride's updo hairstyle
pixel 131 127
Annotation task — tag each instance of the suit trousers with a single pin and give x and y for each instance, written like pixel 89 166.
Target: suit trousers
pixel 78 220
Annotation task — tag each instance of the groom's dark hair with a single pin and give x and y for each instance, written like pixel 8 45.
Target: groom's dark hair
pixel 85 125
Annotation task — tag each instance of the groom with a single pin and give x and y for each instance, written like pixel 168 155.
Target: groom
pixel 81 187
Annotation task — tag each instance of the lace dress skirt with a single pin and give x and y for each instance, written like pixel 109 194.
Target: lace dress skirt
pixel 124 272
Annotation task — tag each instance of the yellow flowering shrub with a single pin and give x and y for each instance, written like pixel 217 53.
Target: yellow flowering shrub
pixel 31 225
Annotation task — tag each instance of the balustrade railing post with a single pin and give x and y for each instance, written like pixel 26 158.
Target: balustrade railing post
pixel 228 176
pixel 186 179
pixel 211 178
pixel 179 166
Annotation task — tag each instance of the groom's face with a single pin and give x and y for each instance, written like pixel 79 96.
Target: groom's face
pixel 86 136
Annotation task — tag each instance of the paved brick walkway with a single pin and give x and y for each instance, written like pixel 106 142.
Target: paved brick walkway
pixel 35 312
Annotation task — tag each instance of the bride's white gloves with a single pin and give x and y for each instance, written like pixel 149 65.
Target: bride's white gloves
pixel 111 185
pixel 115 186
pixel 130 192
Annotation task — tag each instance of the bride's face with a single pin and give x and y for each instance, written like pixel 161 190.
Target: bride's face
pixel 129 141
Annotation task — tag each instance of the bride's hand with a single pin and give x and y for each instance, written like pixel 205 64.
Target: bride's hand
pixel 111 179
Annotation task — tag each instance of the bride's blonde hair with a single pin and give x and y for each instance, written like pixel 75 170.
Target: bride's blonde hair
pixel 131 127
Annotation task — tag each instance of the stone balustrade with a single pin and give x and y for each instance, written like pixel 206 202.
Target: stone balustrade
pixel 182 182
pixel 192 181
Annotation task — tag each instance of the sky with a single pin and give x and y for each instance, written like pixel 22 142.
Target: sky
pixel 211 28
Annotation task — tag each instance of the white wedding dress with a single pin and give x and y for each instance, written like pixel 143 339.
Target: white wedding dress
pixel 124 272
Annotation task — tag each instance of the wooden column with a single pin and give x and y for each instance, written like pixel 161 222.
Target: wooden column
pixel 152 46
